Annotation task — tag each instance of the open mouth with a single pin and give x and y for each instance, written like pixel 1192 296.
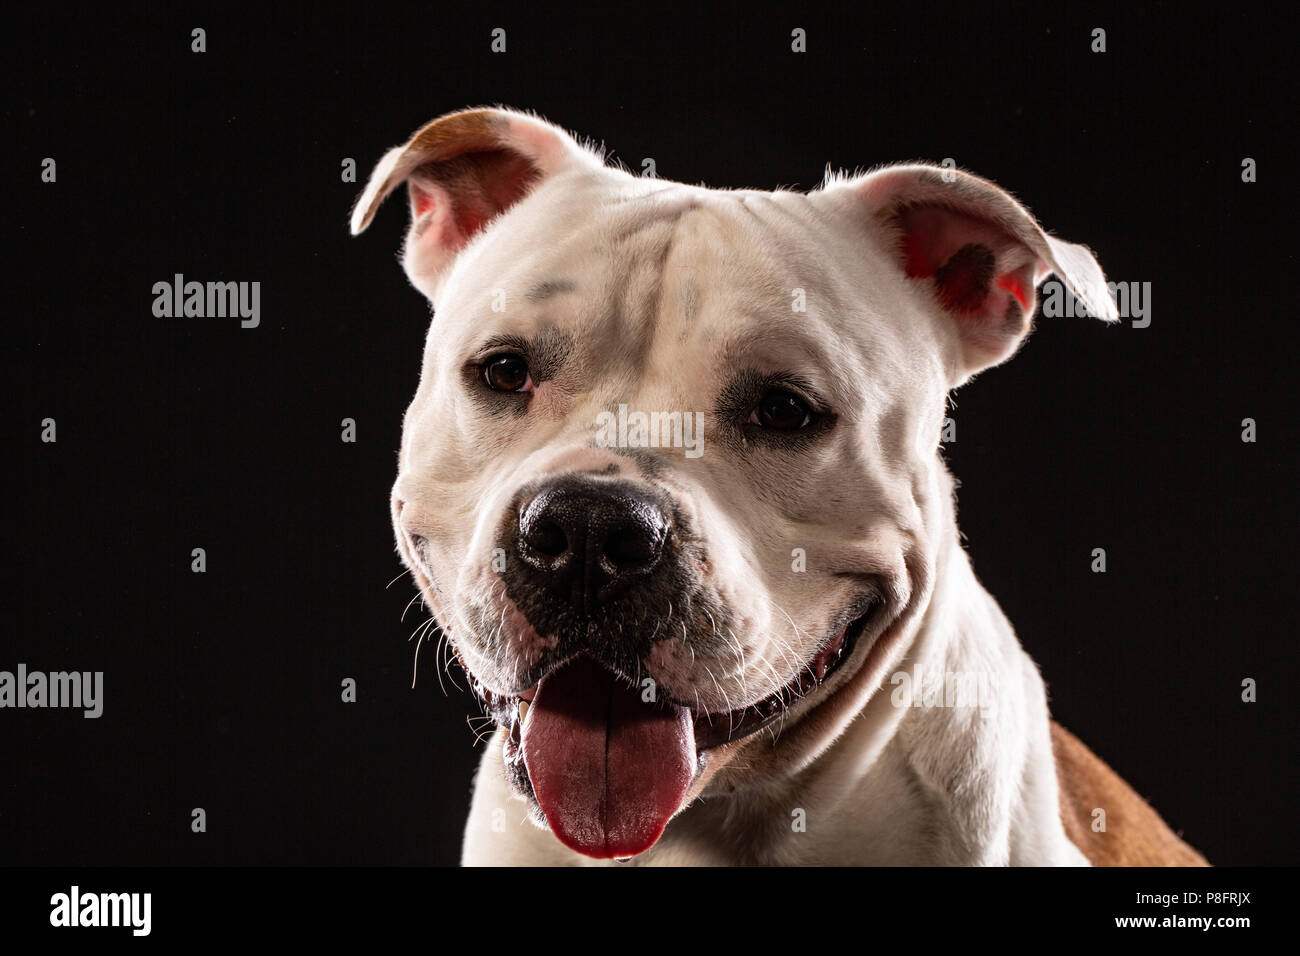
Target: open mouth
pixel 609 765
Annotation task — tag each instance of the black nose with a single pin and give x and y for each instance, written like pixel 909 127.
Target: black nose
pixel 590 540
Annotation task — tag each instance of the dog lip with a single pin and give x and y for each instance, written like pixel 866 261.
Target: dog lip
pixel 712 730
pixel 716 729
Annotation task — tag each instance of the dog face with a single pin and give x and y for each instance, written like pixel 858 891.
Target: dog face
pixel 670 476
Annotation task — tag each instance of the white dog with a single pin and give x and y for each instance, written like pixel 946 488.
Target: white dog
pixel 671 484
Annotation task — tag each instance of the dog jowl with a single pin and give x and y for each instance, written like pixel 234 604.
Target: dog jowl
pixel 684 650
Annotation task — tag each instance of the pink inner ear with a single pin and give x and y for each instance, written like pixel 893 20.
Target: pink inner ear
pixel 421 201
pixel 1011 282
pixel 453 200
pixel 976 267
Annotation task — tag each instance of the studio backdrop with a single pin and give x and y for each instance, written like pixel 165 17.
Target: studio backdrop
pixel 199 508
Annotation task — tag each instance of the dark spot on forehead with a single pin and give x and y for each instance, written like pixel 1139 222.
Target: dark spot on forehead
pixel 548 288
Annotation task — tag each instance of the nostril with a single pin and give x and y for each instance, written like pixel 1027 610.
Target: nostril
pixel 548 538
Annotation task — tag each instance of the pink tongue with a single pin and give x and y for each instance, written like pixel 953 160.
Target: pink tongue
pixel 607 769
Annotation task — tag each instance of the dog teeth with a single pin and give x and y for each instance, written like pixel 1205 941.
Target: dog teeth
pixel 523 709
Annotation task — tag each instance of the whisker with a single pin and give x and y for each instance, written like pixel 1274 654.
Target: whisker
pixel 725 700
pixel 415 668
pixel 478 734
pixel 415 597
pixel 447 658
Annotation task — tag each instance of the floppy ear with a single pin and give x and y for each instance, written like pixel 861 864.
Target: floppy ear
pixel 980 253
pixel 463 170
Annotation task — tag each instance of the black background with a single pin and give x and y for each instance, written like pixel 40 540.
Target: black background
pixel 222 690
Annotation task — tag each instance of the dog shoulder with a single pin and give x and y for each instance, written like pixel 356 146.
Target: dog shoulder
pixel 1135 835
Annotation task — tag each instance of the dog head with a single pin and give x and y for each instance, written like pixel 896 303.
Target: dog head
pixel 670 480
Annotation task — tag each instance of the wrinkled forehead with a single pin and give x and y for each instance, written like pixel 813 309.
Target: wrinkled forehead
pixel 634 269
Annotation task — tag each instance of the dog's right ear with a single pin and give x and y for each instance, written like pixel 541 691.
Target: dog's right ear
pixel 463 170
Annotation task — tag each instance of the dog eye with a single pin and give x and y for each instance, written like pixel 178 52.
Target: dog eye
pixel 781 411
pixel 507 373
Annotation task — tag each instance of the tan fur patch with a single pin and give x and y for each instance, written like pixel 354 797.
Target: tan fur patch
pixel 458 133
pixel 1135 834
pixel 439 140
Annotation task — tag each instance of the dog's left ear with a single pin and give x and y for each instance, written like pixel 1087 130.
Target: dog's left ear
pixel 981 254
